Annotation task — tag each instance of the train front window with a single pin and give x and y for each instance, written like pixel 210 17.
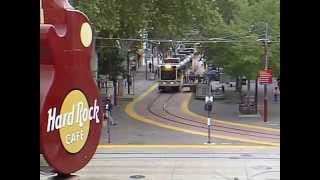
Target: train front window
pixel 168 73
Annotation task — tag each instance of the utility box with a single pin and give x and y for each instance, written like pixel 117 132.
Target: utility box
pixel 247 105
pixel 201 90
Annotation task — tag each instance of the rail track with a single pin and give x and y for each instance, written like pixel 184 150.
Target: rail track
pixel 169 116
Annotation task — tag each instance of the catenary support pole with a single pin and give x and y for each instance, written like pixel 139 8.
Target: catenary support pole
pixel 265 119
pixel 128 73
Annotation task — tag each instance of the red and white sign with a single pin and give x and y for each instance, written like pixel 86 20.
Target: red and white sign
pixel 265 77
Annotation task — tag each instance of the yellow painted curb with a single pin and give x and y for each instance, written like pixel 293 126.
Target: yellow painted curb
pixel 186 110
pixel 130 111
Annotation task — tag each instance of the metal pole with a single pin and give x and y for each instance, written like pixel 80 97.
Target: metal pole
pixel 209 128
pixel 133 83
pixel 209 88
pixel 152 59
pixel 256 95
pixel 209 123
pixel 108 127
pixel 145 59
pixel 265 119
pixel 128 75
pixel 115 87
pixel 158 62
pixel 106 85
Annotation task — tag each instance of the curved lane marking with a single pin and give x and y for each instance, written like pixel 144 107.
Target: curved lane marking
pixel 185 109
pixel 130 111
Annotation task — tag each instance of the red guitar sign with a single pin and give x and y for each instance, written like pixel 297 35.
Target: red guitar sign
pixel 70 104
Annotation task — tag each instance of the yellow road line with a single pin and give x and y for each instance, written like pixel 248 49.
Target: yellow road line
pixel 186 110
pixel 154 86
pixel 184 146
pixel 130 111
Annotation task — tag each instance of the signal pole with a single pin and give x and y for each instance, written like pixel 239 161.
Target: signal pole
pixel 266 54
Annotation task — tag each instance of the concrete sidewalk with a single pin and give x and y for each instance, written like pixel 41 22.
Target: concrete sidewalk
pixel 182 163
pixel 139 85
pixel 227 109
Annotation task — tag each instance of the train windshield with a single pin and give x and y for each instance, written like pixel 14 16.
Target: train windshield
pixel 168 73
pixel 172 60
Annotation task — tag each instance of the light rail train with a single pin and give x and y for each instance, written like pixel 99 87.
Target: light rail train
pixel 173 69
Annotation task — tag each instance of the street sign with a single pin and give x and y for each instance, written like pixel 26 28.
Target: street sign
pixel 265 77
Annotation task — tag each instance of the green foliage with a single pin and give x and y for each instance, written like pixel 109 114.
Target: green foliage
pixel 228 9
pixel 103 15
pixel 242 20
pixel 245 21
pixel 110 63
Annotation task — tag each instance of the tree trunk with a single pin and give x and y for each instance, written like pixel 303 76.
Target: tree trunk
pixel 237 85
pixel 248 87
pixel 256 95
pixel 115 92
pixel 152 52
pixel 240 87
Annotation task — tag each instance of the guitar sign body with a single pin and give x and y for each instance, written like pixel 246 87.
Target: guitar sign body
pixel 70 103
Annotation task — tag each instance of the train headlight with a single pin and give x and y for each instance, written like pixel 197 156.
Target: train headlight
pixel 171 82
pixel 167 66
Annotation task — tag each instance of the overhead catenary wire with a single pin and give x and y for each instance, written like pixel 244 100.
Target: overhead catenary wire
pixel 184 41
pixel 239 35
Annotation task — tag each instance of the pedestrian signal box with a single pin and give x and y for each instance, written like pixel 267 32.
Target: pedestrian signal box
pixel 209 99
pixel 208 103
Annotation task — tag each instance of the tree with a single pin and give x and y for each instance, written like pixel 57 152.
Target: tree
pixel 193 19
pixel 256 15
pixel 247 58
pixel 110 59
pixel 228 9
pixel 103 15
